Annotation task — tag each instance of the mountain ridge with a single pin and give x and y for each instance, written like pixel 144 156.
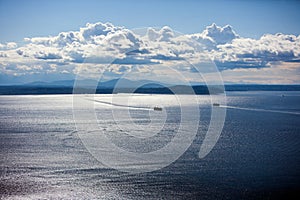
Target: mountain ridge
pixel 123 83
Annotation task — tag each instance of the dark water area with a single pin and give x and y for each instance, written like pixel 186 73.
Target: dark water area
pixel 256 157
pixel 30 89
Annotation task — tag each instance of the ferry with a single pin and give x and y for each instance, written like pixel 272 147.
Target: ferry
pixel 156 108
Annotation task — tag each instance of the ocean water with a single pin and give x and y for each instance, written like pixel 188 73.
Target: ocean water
pixel 257 155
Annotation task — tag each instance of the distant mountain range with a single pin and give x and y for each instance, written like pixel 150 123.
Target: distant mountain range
pixel 129 86
pixel 124 83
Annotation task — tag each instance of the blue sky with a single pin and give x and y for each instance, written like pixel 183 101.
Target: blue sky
pixel 55 39
pixel 31 18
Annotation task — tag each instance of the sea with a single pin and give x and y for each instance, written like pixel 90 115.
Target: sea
pixel 45 153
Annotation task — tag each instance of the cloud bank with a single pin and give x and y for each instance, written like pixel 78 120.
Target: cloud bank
pixel 119 50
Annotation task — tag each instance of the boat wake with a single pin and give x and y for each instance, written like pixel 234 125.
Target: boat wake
pixel 121 105
pixel 260 110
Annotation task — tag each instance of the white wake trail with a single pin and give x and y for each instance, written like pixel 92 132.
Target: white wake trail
pixel 120 105
pixel 261 110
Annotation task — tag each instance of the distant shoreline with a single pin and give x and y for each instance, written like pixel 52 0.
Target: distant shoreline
pixel 177 89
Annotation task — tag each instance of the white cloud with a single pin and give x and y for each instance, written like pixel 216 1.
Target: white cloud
pixel 214 35
pixel 251 53
pixel 164 34
pixel 8 45
pixel 11 45
pixel 100 44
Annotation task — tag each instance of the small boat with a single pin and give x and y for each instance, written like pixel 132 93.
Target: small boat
pixel 216 104
pixel 156 108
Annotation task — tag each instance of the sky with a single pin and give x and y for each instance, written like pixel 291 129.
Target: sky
pixel 250 52
pixel 31 18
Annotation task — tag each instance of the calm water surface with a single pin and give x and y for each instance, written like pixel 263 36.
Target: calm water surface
pixel 256 157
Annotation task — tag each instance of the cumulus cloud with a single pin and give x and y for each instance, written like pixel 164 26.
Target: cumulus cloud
pixel 8 45
pixel 101 44
pixel 164 34
pixel 215 35
pixel 97 43
pixel 84 35
pixel 251 53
